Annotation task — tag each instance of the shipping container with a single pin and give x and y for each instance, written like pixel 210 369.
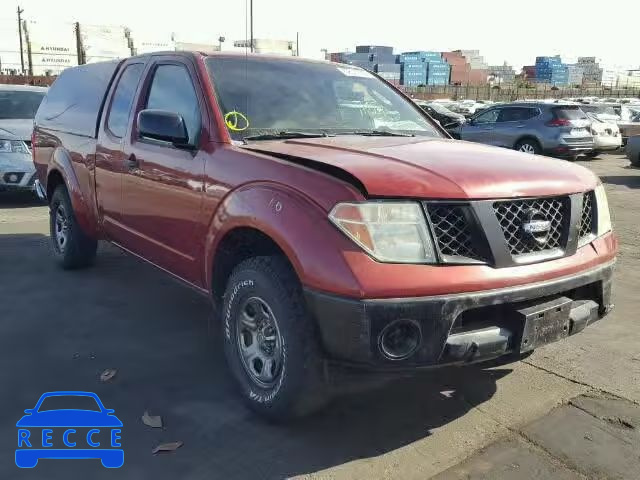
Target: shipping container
pixel 356 57
pixel 384 58
pixel 374 49
pixel 388 67
pixel 424 55
pixel 453 58
pixel 414 66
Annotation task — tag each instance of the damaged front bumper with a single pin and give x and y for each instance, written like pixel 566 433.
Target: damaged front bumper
pixel 461 328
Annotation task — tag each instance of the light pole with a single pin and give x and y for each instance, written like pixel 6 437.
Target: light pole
pixel 20 11
pixel 220 42
pixel 251 22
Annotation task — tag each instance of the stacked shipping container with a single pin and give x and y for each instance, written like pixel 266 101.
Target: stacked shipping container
pixel 551 70
pixel 461 71
pixel 503 74
pixel 592 73
pixel 413 74
pixel 436 70
pixel 575 75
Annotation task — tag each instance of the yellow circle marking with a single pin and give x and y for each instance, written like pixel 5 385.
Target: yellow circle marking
pixel 233 118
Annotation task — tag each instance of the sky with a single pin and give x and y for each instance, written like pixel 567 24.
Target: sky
pixel 503 30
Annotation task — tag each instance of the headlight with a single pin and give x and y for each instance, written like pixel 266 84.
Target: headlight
pixel 388 231
pixel 13 146
pixel 602 205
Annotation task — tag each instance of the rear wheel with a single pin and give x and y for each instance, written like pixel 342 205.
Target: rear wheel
pixel 269 340
pixel 528 145
pixel 71 246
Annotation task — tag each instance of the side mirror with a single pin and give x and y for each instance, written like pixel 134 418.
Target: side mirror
pixel 165 126
pixel 29 411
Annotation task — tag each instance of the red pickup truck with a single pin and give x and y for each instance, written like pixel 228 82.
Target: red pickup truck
pixel 330 219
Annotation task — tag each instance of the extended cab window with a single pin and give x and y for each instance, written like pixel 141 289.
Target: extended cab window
pixel 172 90
pixel 123 99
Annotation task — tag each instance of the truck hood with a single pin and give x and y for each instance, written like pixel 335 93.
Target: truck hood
pixel 16 129
pixel 434 168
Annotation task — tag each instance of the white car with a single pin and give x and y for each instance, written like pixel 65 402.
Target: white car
pixel 606 113
pixel 606 135
pixel 18 106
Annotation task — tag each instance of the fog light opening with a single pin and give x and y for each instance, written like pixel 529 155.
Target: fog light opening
pixel 400 339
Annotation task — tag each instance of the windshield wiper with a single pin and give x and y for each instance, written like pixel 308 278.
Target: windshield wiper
pixel 378 133
pixel 286 134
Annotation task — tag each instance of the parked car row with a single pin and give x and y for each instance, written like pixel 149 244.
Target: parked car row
pixel 18 106
pixel 564 129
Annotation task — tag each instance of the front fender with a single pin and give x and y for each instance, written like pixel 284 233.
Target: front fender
pixel 61 162
pixel 297 225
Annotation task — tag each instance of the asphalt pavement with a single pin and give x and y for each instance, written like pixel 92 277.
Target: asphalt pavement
pixel 568 411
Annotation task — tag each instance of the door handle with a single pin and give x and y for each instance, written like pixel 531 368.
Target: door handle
pixel 519 126
pixel 132 162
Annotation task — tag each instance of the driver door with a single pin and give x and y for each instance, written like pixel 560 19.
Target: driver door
pixel 162 189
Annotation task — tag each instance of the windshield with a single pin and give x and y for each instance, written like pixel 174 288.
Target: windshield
pixel 261 96
pixel 19 105
pixel 570 113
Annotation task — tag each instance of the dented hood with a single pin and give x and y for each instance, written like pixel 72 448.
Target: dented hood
pixel 434 168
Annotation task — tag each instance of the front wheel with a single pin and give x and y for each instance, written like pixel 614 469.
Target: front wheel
pixel 528 145
pixel 592 154
pixel 71 246
pixel 269 340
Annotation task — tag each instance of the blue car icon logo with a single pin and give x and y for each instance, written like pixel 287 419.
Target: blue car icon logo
pixel 92 431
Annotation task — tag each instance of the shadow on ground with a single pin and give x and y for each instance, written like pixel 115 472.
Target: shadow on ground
pixel 19 200
pixel 59 330
pixel 630 181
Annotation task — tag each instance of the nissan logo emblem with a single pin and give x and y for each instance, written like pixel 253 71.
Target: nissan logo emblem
pixel 536 226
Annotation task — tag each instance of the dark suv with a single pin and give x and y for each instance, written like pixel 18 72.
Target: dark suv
pixel 549 128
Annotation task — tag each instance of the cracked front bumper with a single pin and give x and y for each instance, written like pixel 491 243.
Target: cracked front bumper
pixel 460 328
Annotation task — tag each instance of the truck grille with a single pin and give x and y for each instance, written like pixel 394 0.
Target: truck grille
pixel 453 230
pixel 512 214
pixel 587 220
pixel 494 231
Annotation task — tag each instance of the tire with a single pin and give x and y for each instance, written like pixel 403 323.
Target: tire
pixel 528 145
pixel 286 381
pixel 72 248
pixel 592 154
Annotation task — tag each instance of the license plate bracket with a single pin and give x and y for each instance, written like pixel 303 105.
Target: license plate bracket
pixel 545 323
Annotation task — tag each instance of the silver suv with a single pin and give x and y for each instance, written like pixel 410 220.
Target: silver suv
pixel 550 128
